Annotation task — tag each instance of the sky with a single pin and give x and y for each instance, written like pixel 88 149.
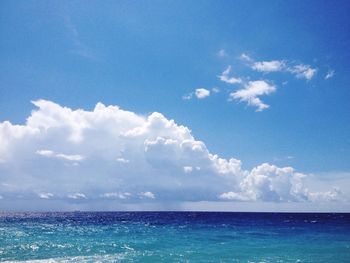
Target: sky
pixel 175 105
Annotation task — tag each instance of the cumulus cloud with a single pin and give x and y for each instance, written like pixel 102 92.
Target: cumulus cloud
pixel 251 92
pixel 168 163
pixel 202 93
pixel 225 77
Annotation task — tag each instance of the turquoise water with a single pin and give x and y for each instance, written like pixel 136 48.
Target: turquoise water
pixel 174 237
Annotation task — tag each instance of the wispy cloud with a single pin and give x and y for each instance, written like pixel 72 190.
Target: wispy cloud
pixel 79 47
pixel 215 90
pixel 45 195
pixel 330 74
pixel 251 93
pixel 245 57
pixel 67 157
pixel 300 71
pixel 77 196
pixel 222 53
pixel 225 77
pixel 303 71
pixel 115 195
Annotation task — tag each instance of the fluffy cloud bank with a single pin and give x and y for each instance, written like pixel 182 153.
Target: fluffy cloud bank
pixel 110 153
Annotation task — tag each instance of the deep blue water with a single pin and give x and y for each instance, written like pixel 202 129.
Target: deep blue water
pixel 174 237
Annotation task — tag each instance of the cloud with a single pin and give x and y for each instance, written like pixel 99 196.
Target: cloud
pixel 187 96
pixel 79 47
pixel 268 66
pixel 245 57
pixel 222 53
pixel 122 160
pixel 148 195
pixel 330 74
pixel 168 163
pixel 202 93
pixel 67 157
pixel 251 92
pixel 188 169
pixel 215 90
pixel 302 71
pixel 77 196
pixel 227 79
pixel 114 195
pixel 328 196
pixel 45 195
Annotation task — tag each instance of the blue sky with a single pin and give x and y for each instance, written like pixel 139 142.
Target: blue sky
pixel 146 56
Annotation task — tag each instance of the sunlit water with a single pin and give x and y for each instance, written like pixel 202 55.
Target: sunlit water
pixel 174 237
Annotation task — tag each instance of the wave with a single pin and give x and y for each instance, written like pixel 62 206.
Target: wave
pixel 85 259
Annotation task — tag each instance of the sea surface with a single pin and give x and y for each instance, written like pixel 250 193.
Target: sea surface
pixel 174 237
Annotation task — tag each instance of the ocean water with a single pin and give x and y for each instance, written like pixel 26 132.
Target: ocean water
pixel 174 237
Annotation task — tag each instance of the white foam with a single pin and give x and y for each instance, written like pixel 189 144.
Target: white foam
pixel 85 259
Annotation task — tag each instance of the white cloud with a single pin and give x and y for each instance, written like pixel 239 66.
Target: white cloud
pixel 188 169
pixel 215 90
pixel 251 92
pixel 330 74
pixel 45 195
pixel 232 196
pixel 67 157
pixel 187 96
pixel 246 57
pixel 114 195
pixel 225 77
pixel 148 194
pixel 202 93
pixel 122 160
pixel 333 195
pixel 167 161
pixel 77 196
pixel 268 66
pixel 222 53
pixel 302 71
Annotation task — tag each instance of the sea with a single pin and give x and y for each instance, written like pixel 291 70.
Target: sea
pixel 174 237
